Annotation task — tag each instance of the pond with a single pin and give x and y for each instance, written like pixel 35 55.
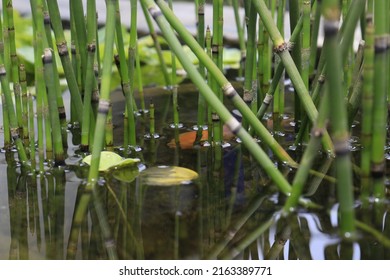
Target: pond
pixel 220 214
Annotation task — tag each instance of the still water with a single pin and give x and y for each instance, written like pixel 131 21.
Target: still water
pixel 220 214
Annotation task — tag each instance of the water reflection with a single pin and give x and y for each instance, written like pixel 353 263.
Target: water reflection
pixel 231 211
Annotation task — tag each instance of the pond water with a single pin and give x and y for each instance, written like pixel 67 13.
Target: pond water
pixel 220 214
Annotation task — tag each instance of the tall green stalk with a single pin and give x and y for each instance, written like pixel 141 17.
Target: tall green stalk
pixel 379 117
pixel 64 56
pixel 11 114
pixel 338 119
pixel 14 62
pixel 47 58
pixel 7 135
pixel 88 116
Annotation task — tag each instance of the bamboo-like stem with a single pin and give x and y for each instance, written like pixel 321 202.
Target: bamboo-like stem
pixel 227 88
pixel 59 157
pixel 202 42
pixel 88 116
pixel 43 126
pixel 157 45
pixel 379 117
pixel 104 104
pixel 277 75
pixel 64 56
pixel 305 51
pixel 7 134
pixel 60 101
pixel 174 86
pixel 294 12
pixel 282 49
pixel 240 31
pixel 14 62
pixel 11 114
pixel 250 60
pixel 278 107
pixel 77 11
pixel 131 74
pixel 216 51
pixel 25 116
pixel 315 27
pixel 338 119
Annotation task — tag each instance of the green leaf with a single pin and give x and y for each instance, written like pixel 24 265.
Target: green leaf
pixel 110 160
pixel 168 175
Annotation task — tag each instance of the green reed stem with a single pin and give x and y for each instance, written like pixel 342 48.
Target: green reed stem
pixel 60 101
pixel 174 86
pixel 14 63
pixel 379 117
pixel 338 119
pixel 64 56
pixel 305 50
pixel 315 27
pixel 157 45
pixel 250 60
pixel 23 89
pixel 227 88
pixel 13 123
pixel 88 116
pixel 39 82
pixel 47 58
pixel 7 134
pixel 77 11
pixel 240 31
pixel 278 103
pixel 294 12
pixel 282 49
pixel 278 74
pixel 202 42
pixel 131 74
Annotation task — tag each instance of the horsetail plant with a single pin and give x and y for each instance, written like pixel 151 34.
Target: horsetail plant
pixel 226 86
pixel 104 105
pixel 379 116
pixel 88 116
pixel 64 56
pixel 338 119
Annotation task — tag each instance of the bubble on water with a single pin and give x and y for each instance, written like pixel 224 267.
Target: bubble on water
pixel 293 147
pixel 179 125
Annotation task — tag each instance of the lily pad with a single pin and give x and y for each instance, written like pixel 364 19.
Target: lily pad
pixel 168 175
pixel 109 160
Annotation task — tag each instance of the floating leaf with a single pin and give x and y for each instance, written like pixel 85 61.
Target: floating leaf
pixel 168 175
pixel 109 160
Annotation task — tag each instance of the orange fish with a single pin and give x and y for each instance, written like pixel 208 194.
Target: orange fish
pixel 187 139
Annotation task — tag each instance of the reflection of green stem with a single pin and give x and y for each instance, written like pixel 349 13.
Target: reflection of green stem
pixel 233 229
